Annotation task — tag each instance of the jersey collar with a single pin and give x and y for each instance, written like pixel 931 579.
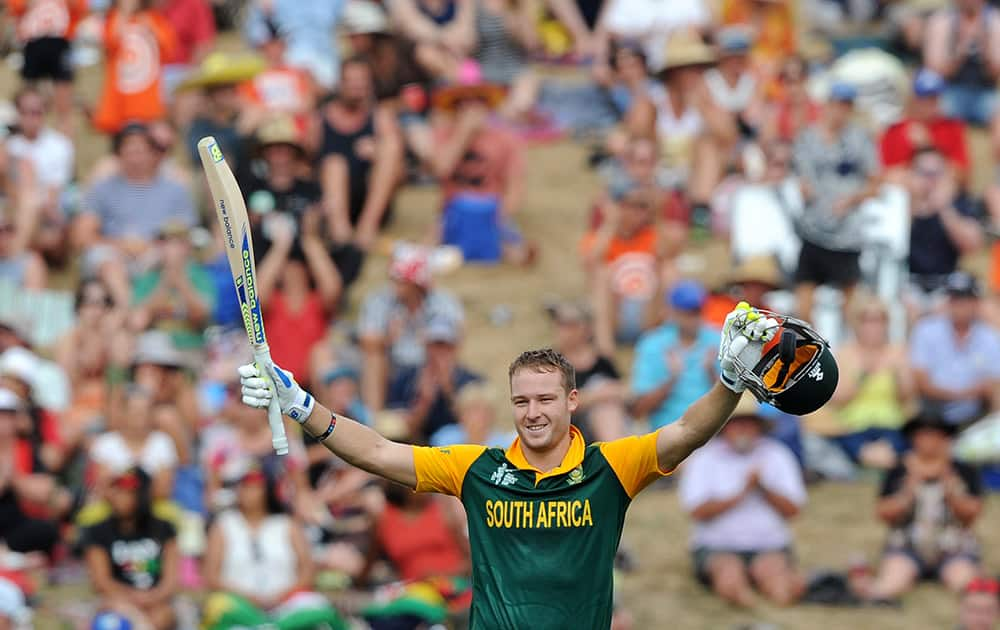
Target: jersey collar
pixel 574 456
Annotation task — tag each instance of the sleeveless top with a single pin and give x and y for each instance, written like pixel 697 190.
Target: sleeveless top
pixel 733 99
pixel 677 133
pixel 499 54
pixel 261 561
pixel 973 71
pixel 335 141
pixel 876 404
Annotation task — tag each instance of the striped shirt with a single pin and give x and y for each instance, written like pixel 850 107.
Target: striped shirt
pixel 139 210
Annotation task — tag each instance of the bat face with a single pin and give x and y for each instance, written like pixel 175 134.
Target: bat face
pixel 247 293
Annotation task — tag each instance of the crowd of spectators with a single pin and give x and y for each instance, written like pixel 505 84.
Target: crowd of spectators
pixel 829 159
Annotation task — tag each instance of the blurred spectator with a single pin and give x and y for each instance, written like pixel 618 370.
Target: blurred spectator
pixel 626 258
pixel 674 364
pixel 164 139
pixel 876 389
pixel 742 489
pixel 20 266
pixel 138 40
pixel 300 288
pixel 109 231
pixel 340 392
pixel 979 607
pixel 132 558
pixel 177 294
pixel 280 88
pixel 14 611
pixel 752 280
pixel 925 126
pixel 648 22
pixel 307 29
pixel 21 372
pixel 480 165
pixel 600 411
pixel 29 498
pixel 360 158
pixel 930 503
pixel 443 32
pixel 392 320
pixel 194 28
pixel 790 105
pixel 45 30
pixel 773 25
pixel 952 356
pixel 428 392
pixel 961 45
pixel 135 443
pixel 838 170
pixel 506 36
pixel 49 155
pixel 475 408
pixel 944 225
pixel 731 82
pixel 258 564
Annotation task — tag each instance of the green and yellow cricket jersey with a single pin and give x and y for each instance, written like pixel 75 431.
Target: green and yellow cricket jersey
pixel 543 544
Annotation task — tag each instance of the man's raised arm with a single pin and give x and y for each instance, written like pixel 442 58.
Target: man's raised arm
pixel 352 441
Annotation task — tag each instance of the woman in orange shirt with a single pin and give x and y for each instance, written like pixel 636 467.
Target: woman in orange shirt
pixel 138 40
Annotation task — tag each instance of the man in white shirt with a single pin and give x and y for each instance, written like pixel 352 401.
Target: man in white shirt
pixel 741 489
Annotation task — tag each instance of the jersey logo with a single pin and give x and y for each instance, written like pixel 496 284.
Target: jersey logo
pixel 502 476
pixel 816 373
pixel 575 476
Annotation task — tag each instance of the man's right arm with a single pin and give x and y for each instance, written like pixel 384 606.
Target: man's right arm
pixel 363 447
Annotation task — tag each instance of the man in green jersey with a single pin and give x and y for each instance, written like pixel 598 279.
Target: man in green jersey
pixel 546 514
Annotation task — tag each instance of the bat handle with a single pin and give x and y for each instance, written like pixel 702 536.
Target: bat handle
pixel 262 355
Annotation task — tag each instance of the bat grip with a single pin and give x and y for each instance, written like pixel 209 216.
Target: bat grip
pixel 262 355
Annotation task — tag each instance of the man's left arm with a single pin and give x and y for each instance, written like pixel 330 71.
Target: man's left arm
pixel 698 425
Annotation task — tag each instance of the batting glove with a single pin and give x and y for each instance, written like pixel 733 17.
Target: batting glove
pixel 743 337
pixel 295 402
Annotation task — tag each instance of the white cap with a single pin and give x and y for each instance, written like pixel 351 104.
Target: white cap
pixel 20 363
pixel 364 17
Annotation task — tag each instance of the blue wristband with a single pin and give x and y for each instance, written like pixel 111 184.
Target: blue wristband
pixel 329 429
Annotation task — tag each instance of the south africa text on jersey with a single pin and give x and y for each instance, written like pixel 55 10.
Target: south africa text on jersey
pixel 538 514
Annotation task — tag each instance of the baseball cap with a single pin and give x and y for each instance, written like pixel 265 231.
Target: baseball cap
pixel 962 284
pixel 9 401
pixel 687 295
pixel 733 40
pixel 339 371
pixel 441 329
pixel 843 92
pixel 928 83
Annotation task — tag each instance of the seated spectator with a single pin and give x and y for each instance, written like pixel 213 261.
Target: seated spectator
pixel 732 83
pixel 600 411
pixel 480 165
pixel 135 443
pixel 137 40
pixel 280 88
pixel 300 288
pixel 926 126
pixel 423 537
pixel 49 155
pixel 838 170
pixel 930 503
pixel 392 319
pixel 428 392
pixel 360 158
pixel 960 44
pixel 110 233
pixel 442 31
pixel 307 29
pixel 875 390
pixel 40 426
pixel 952 356
pixel 979 607
pixel 647 22
pixel 944 225
pixel 790 106
pixel 132 558
pixel 475 407
pixel 27 523
pixel 506 35
pixel 775 29
pixel 163 138
pixel 674 364
pixel 742 489
pixel 258 564
pixel 626 255
pixel 177 294
pixel 20 266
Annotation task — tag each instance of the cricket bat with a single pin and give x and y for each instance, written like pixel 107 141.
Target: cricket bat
pixel 232 214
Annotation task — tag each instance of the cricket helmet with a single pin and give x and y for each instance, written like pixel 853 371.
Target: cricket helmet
pixel 795 372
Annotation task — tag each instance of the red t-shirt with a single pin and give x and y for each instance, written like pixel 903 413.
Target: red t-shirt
pixel 291 335
pixel 947 134
pixel 420 546
pixel 193 23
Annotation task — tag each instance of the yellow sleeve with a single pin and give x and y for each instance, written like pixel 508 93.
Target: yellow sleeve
pixel 442 468
pixel 634 461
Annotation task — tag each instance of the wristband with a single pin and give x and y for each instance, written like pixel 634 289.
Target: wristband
pixel 329 429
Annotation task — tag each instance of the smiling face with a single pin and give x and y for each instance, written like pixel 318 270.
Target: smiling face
pixel 542 408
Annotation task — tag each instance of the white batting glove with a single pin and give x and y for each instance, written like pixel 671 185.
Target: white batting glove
pixel 295 402
pixel 743 337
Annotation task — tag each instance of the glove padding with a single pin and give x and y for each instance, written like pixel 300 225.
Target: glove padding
pixel 743 337
pixel 295 402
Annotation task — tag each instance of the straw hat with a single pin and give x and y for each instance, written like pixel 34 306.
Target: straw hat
pixel 683 50
pixel 748 407
pixel 470 84
pixel 280 129
pixel 761 269
pixel 220 68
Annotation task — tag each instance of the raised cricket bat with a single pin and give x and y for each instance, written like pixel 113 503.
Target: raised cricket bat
pixel 232 214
